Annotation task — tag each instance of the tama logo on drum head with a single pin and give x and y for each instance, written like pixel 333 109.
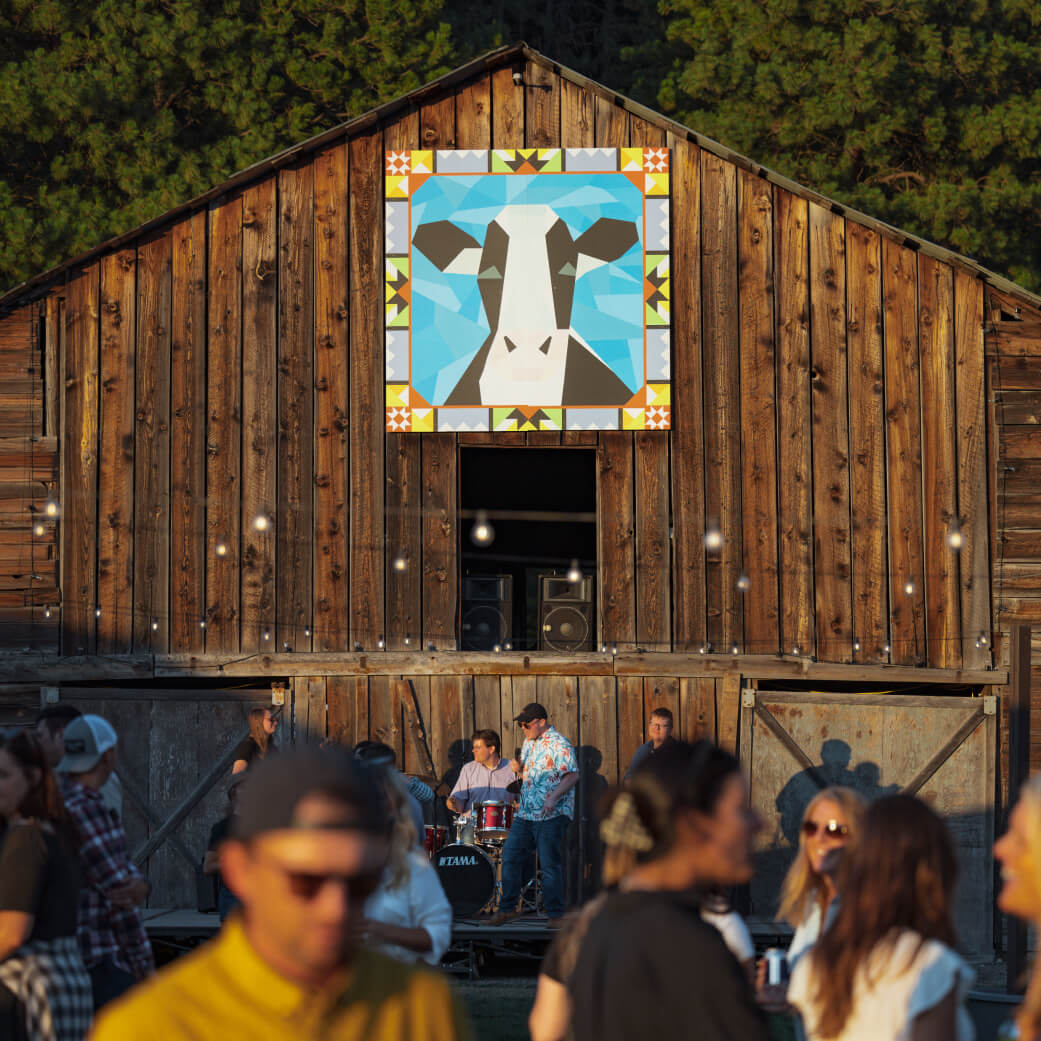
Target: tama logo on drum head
pixel 457 861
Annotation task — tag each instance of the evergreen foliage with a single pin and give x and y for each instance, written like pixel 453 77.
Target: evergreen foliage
pixel 924 113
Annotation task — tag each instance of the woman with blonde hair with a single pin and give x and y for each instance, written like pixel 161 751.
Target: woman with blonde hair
pixel 261 740
pixel 1019 852
pixel 408 916
pixel 885 969
pixel 832 817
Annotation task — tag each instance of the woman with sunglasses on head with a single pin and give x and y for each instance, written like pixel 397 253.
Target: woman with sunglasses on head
pixel 408 916
pixel 808 891
pixel 885 969
pixel 45 992
pixel 650 966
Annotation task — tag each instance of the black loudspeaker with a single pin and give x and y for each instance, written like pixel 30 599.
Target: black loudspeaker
pixel 487 611
pixel 566 614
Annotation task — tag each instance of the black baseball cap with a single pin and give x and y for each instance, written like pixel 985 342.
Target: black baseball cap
pixel 531 712
pixel 275 787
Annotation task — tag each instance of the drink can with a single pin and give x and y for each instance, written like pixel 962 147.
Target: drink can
pixel 776 966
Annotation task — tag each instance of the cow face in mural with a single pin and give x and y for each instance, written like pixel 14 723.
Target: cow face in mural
pixel 526 270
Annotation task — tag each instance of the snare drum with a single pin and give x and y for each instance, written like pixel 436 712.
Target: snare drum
pixel 434 838
pixel 467 876
pixel 493 820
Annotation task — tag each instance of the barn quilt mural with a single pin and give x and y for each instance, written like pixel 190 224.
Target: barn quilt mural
pixel 527 289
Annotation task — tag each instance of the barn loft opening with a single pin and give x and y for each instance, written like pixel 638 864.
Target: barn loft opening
pixel 526 514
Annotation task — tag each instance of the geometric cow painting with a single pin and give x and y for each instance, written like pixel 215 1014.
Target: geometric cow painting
pixel 527 289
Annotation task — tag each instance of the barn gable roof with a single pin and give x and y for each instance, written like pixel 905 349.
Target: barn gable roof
pixel 497 59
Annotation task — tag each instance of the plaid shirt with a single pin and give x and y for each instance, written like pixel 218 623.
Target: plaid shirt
pixel 104 930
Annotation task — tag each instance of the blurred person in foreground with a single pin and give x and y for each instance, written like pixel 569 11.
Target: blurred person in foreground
pixel 45 992
pixel 650 966
pixel 885 969
pixel 1019 853
pixel 308 846
pixel 111 931
pixel 408 916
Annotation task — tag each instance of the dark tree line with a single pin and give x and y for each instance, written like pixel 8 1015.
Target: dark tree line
pixel 925 113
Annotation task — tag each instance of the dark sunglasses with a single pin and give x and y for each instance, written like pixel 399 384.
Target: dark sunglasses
pixel 832 829
pixel 307 885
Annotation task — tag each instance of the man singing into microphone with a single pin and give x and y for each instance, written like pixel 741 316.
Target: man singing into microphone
pixel 547 804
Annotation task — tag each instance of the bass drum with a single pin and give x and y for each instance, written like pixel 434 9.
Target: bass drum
pixel 467 876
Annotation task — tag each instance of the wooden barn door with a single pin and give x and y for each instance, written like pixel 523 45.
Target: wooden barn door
pixel 174 761
pixel 941 749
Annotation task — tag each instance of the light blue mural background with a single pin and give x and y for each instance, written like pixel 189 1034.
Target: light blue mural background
pixel 448 320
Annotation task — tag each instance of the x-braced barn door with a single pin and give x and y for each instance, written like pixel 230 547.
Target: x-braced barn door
pixel 942 749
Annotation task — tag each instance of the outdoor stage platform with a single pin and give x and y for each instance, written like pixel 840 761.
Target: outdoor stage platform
pixel 474 940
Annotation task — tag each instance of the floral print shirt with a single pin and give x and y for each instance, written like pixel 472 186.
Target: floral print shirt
pixel 546 760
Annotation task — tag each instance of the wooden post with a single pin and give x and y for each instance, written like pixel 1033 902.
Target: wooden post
pixel 1018 772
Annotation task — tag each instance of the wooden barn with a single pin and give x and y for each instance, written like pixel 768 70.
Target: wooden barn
pixel 818 560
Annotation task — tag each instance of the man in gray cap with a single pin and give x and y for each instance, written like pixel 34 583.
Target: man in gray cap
pixel 109 927
pixel 307 846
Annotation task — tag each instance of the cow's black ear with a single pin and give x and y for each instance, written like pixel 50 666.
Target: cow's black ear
pixel 441 241
pixel 607 239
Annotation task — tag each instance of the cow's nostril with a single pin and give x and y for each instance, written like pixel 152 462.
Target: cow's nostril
pixel 510 345
pixel 545 346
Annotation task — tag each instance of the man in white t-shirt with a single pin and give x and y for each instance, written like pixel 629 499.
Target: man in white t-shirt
pixel 486 779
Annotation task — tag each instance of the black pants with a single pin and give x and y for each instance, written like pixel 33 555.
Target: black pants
pixel 109 982
pixel 12 1016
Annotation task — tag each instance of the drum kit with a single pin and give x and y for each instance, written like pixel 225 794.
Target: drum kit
pixel 469 867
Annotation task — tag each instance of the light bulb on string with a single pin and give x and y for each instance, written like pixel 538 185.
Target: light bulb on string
pixel 307 631
pixel 265 636
pixel 52 507
pixel 614 648
pixel 603 648
pixel 285 646
pixel 978 644
pixel 202 623
pixel 886 649
pixel 909 587
pixel 507 646
pixel 482 533
pixel 795 650
pixel 983 639
pixel 713 539
pixel 155 625
pixel 400 562
pixel 221 549
pixel 39 530
pixel 734 648
pixel 97 612
pixel 574 573
pixel 380 643
pixel 261 522
pixel 955 536
pixel 496 648
pixel 856 646
pixel 744 583
pixel 408 640
pixel 47 611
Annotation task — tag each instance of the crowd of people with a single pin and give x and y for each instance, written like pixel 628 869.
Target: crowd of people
pixel 334 918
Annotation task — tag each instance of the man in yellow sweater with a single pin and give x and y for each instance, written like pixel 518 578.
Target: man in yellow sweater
pixel 308 845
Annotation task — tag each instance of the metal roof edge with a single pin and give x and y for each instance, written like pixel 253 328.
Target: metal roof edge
pixel 25 292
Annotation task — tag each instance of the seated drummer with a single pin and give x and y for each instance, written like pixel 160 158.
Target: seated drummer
pixel 485 779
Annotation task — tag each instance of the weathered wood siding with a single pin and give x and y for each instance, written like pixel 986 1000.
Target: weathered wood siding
pixel 1013 462
pixel 828 420
pixel 29 423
